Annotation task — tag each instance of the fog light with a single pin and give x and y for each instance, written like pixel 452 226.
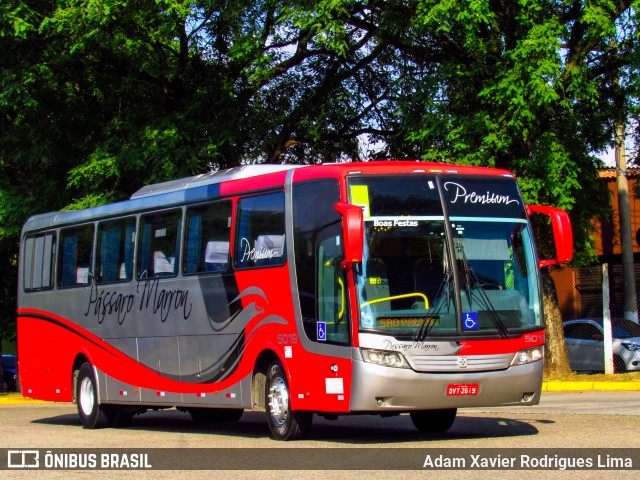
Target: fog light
pixel 527 397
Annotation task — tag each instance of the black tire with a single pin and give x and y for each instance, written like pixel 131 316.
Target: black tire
pixel 92 414
pixel 215 415
pixel 284 423
pixel 434 421
pixel 618 365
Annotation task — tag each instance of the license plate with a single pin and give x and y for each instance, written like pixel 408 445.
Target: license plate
pixel 462 389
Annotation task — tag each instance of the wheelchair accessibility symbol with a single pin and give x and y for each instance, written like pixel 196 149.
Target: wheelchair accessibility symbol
pixel 470 321
pixel 322 331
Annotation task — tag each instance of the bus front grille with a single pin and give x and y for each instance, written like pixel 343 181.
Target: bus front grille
pixel 460 363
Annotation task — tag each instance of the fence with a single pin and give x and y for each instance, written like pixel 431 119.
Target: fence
pixel 580 296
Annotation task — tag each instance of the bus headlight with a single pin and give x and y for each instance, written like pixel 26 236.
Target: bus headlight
pixel 385 358
pixel 528 355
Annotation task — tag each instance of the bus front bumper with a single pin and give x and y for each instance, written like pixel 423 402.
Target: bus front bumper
pixel 378 389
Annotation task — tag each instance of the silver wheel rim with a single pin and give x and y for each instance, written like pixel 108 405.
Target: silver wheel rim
pixel 87 396
pixel 279 402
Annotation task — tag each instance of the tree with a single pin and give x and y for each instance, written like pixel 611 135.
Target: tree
pixel 528 87
pixel 100 97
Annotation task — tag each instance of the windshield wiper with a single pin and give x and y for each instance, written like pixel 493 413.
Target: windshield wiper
pixel 474 291
pixel 435 308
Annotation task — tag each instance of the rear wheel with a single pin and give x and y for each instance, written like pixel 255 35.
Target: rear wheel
pixel 434 421
pixel 284 423
pixel 91 413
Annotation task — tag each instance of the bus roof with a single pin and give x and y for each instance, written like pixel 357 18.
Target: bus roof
pixel 209 178
pixel 207 185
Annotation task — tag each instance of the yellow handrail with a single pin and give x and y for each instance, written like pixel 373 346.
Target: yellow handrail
pixel 341 312
pixel 396 297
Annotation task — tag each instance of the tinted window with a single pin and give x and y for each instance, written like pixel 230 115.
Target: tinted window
pixel 333 315
pixel 260 240
pixel 625 329
pixel 582 331
pixel 115 250
pixel 207 238
pixel 38 261
pixel 397 195
pixel 318 246
pixel 76 249
pixel 482 197
pixel 158 253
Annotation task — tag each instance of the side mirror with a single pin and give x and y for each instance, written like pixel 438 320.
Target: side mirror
pixel 352 231
pixel 562 233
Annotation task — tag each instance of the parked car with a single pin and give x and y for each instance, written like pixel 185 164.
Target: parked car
pixel 585 343
pixel 10 373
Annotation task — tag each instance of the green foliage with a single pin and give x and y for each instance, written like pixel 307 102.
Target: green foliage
pixel 100 97
pixel 88 201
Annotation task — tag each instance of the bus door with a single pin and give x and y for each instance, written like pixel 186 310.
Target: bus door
pixel 324 317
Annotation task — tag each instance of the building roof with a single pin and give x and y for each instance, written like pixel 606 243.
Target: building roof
pixel 610 173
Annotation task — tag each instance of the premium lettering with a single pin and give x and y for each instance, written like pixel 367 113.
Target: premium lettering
pixel 253 254
pixel 460 193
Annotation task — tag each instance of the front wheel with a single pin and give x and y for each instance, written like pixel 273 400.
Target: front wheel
pixel 434 421
pixel 91 413
pixel 284 423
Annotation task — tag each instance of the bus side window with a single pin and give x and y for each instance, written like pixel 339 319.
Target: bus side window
pixel 332 303
pixel 158 252
pixel 260 240
pixel 208 230
pixel 115 250
pixel 38 262
pixel 76 251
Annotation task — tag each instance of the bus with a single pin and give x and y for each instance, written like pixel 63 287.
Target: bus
pixel 386 288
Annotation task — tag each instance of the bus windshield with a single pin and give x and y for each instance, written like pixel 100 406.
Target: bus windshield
pixel 410 283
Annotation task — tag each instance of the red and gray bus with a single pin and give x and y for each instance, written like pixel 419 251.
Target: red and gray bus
pixel 355 288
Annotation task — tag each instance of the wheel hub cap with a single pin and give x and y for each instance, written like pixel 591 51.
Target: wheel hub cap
pixel 87 396
pixel 279 401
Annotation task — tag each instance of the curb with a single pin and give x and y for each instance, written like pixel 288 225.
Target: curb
pixel 18 399
pixel 594 386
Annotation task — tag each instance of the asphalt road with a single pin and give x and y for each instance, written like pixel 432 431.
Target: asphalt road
pixel 587 420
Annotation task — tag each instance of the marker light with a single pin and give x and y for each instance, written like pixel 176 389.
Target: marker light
pixel 529 355
pixel 384 358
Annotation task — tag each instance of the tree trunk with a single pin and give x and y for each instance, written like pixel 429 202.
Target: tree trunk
pixel 626 238
pixel 556 362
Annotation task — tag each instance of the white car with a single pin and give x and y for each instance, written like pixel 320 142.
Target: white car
pixel 585 343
